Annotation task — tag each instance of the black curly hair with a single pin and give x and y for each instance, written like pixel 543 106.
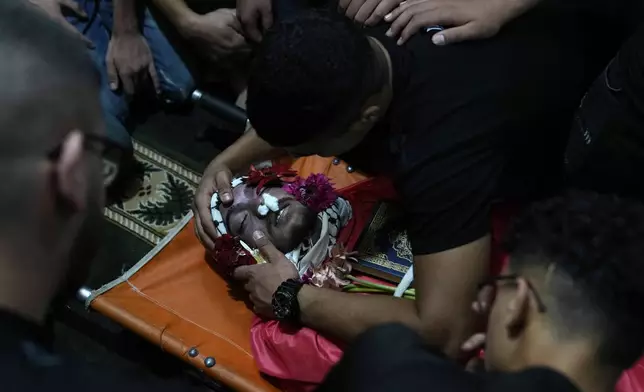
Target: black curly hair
pixel 596 245
pixel 312 72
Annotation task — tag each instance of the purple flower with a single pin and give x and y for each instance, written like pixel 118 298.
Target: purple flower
pixel 316 192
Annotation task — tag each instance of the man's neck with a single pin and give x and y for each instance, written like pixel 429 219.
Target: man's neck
pixel 577 361
pixel 24 290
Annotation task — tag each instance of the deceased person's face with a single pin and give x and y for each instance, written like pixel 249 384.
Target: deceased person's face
pixel 285 225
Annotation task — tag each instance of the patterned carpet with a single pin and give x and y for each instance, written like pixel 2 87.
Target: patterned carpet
pixel 163 198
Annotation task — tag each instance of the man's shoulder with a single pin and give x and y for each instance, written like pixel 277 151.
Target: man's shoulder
pixel 30 368
pixel 529 380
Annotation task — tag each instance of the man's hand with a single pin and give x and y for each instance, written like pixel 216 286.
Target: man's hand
pixel 466 19
pixel 216 178
pixel 217 34
pixel 367 12
pixel 129 59
pixel 262 280
pixel 54 9
pixel 472 346
pixel 256 16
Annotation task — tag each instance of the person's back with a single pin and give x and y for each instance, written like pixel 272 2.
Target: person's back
pixel 565 315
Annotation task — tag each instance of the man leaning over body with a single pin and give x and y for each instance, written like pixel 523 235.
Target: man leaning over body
pixel 457 128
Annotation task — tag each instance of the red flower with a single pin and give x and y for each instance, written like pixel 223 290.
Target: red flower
pixel 229 254
pixel 316 192
pixel 269 176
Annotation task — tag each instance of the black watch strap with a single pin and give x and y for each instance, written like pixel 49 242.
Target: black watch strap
pixel 285 304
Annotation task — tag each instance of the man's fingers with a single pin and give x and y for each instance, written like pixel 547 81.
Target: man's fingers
pixel 415 24
pixel 384 8
pixel 484 299
pixel 466 32
pixel 207 230
pixel 74 7
pixel 352 10
pixel 154 77
pixel 366 10
pixel 243 273
pixel 251 26
pixel 129 84
pixel 203 238
pixel 235 23
pixel 400 19
pixel 267 16
pixel 266 248
pixel 474 342
pixel 222 184
pixel 112 74
pixel 343 5
pixel 235 42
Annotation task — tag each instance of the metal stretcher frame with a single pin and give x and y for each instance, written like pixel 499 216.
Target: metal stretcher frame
pixel 174 299
pixel 151 299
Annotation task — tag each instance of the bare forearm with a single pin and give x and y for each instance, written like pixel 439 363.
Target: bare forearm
pixel 248 149
pixel 446 285
pixel 125 17
pixel 345 316
pixel 518 7
pixel 177 11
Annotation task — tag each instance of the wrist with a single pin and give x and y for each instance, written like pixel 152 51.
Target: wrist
pixel 125 32
pixel 305 298
pixel 186 23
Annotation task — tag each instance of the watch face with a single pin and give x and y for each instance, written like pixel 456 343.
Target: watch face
pixel 283 304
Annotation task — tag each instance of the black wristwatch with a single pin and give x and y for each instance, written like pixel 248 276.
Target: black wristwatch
pixel 285 304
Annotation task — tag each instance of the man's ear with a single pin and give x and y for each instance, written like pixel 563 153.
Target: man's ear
pixel 71 181
pixel 517 309
pixel 371 115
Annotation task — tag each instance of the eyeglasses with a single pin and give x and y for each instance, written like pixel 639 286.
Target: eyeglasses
pixel 99 144
pixel 491 284
pixel 108 150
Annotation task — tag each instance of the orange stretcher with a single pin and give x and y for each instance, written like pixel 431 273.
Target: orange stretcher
pixel 174 299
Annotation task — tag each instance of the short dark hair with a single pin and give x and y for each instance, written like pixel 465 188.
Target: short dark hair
pixel 46 78
pixel 309 70
pixel 40 56
pixel 595 245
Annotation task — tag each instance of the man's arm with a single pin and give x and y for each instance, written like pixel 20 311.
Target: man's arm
pixel 129 59
pixel 177 12
pixel 246 150
pixel 446 285
pixel 217 34
pixel 125 17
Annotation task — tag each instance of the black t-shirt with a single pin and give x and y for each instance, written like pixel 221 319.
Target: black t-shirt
pixel 606 148
pixel 480 121
pixel 394 358
pixel 26 366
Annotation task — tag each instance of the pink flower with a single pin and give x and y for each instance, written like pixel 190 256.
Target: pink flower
pixel 316 192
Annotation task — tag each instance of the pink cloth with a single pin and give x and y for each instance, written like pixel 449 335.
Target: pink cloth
pixel 300 355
